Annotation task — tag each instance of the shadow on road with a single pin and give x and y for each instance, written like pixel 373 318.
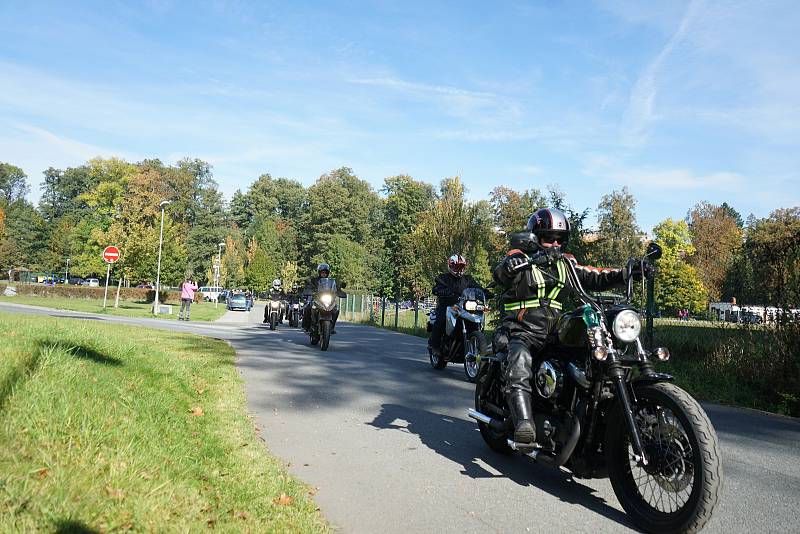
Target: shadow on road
pixel 459 441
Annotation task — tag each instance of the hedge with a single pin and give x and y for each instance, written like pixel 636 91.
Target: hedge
pixel 84 292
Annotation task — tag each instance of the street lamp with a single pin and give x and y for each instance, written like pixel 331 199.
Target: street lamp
pixel 162 205
pixel 216 272
pixel 66 274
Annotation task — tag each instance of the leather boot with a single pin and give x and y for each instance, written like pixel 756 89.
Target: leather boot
pixel 522 414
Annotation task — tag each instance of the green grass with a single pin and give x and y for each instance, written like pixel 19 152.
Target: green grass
pixel 98 433
pixel 200 311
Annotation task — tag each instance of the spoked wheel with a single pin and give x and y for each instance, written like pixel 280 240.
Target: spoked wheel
pixel 325 333
pixel 679 487
pixel 437 361
pixel 476 346
pixel 487 390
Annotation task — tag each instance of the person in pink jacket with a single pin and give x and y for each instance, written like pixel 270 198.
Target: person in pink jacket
pixel 187 297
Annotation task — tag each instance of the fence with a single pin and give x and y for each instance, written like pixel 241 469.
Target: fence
pixel 374 309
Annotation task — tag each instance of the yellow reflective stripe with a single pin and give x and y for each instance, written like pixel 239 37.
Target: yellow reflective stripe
pixel 562 276
pixel 535 303
pixel 537 274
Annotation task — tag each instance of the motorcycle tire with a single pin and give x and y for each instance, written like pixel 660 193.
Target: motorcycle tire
pixel 487 374
pixel 273 322
pixel 437 362
pixel 681 450
pixel 325 333
pixel 314 338
pixel 476 341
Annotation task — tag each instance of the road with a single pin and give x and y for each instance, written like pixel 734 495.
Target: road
pixel 387 441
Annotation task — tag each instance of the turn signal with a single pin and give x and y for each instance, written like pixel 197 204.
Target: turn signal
pixel 600 353
pixel 662 353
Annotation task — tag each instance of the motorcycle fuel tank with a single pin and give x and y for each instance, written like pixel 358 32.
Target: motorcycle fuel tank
pixel 572 329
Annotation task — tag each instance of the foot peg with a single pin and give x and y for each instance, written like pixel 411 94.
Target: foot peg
pixel 528 449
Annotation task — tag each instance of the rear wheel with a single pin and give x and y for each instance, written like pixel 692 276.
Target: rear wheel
pixel 679 487
pixel 325 333
pixel 476 347
pixel 487 390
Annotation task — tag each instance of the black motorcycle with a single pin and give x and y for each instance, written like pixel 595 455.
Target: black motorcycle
pixel 601 410
pixel 324 307
pixel 293 311
pixel 463 340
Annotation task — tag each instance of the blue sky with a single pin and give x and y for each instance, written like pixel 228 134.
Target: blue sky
pixel 680 101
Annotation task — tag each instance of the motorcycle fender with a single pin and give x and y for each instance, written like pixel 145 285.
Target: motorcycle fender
pixel 325 315
pixel 450 324
pixel 653 378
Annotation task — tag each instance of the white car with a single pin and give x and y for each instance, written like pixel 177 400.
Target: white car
pixel 210 293
pixel 92 282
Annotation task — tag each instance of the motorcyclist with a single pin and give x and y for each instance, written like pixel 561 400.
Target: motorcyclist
pixel 323 271
pixel 447 288
pixel 276 293
pixel 531 305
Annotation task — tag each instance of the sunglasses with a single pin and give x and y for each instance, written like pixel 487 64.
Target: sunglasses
pixel 550 238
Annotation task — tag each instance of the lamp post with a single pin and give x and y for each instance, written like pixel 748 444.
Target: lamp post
pixel 163 205
pixel 66 274
pixel 216 272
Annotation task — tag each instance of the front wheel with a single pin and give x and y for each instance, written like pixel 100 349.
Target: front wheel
pixel 273 321
pixel 437 360
pixel 679 487
pixel 476 347
pixel 325 334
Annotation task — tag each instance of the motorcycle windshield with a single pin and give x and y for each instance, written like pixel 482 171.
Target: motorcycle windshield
pixel 473 293
pixel 326 285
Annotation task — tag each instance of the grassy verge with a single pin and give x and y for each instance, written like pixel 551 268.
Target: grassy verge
pixel 753 367
pixel 200 311
pixel 110 428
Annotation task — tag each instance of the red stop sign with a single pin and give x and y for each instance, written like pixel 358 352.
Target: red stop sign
pixel 111 254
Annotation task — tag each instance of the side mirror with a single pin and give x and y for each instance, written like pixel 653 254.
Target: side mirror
pixel 653 250
pixel 524 240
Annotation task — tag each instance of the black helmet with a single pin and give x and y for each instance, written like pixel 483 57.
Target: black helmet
pixel 550 224
pixel 323 267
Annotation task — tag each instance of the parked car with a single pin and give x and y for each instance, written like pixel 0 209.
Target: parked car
pixel 75 280
pixel 144 286
pixel 211 293
pixel 91 282
pixel 238 302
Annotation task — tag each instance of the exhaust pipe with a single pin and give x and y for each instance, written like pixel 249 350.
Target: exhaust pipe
pixel 497 425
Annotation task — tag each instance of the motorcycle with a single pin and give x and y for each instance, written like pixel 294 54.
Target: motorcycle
pixel 275 308
pixel 463 340
pixel 324 307
pixel 294 312
pixel 601 410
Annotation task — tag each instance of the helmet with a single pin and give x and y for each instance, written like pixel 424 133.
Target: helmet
pixel 276 284
pixel 324 267
pixel 550 224
pixel 456 264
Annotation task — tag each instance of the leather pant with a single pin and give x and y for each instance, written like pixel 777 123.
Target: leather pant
pixel 438 327
pixel 526 340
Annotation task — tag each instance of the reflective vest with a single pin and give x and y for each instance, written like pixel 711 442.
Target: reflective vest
pixel 542 299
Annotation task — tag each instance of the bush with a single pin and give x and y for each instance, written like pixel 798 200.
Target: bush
pixel 83 292
pixel 754 366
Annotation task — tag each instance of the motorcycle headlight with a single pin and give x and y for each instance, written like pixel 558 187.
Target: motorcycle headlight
pixel 326 299
pixel 627 326
pixel 470 305
pixel 275 304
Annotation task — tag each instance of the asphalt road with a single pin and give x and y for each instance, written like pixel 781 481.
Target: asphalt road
pixel 387 441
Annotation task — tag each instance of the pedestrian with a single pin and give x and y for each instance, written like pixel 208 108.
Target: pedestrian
pixel 187 297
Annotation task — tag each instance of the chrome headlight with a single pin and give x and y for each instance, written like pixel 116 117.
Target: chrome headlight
pixel 470 305
pixel 627 326
pixel 326 299
pixel 275 304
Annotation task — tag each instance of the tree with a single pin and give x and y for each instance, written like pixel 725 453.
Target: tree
pixel 24 236
pixel 405 200
pixel 716 237
pixel 13 183
pixel 619 237
pixel 773 246
pixel 512 209
pixel 677 285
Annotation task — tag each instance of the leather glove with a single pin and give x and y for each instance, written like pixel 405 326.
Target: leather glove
pixel 553 253
pixel 513 263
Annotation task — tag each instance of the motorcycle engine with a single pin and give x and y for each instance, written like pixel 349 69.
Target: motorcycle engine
pixel 549 379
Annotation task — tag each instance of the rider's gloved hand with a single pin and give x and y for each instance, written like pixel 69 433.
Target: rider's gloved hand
pixel 553 253
pixel 513 263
